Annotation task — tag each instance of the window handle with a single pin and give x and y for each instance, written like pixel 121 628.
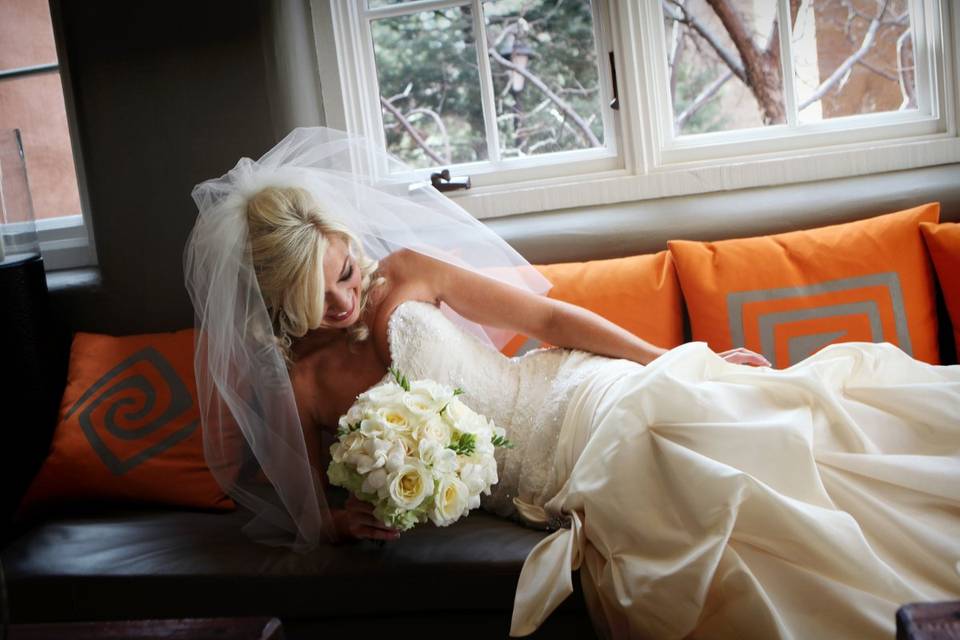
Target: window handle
pixel 443 182
pixel 615 103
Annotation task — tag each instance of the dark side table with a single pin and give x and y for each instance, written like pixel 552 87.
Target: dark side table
pixel 929 621
pixel 32 375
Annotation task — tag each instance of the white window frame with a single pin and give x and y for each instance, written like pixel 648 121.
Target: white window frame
pixel 355 107
pixel 65 241
pixel 651 162
pixel 863 128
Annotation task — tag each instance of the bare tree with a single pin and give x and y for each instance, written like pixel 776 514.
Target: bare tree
pixel 412 131
pixel 561 104
pixel 758 66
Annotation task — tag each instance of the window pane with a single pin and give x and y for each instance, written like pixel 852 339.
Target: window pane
pixel 430 87
pixel 546 81
pixel 34 104
pixel 710 87
pixel 26 35
pixel 851 60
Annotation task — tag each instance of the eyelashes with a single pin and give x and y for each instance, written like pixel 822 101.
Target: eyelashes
pixel 347 275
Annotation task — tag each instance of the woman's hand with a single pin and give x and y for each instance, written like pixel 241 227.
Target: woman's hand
pixel 745 356
pixel 356 521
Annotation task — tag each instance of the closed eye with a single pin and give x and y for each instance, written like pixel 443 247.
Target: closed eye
pixel 347 275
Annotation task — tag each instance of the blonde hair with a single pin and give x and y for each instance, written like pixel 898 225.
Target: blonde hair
pixel 289 235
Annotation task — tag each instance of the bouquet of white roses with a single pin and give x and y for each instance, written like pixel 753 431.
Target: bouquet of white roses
pixel 415 451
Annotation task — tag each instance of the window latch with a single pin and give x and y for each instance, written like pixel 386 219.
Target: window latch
pixel 443 182
pixel 615 103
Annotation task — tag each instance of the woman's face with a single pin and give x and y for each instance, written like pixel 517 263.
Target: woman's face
pixel 342 285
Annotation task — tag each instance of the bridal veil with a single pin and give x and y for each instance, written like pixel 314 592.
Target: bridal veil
pixel 253 439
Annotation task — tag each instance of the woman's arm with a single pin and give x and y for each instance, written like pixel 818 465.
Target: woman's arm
pixel 493 303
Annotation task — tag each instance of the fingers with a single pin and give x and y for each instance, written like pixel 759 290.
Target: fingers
pixel 375 534
pixel 372 522
pixel 361 523
pixel 370 527
pixel 354 503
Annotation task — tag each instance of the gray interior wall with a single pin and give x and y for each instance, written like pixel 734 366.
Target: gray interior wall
pixel 166 94
pixel 170 93
pixel 644 227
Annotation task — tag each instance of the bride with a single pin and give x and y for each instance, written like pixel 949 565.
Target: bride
pixel 697 496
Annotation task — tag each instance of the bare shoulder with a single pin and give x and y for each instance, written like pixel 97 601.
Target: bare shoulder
pixel 407 277
pixel 408 267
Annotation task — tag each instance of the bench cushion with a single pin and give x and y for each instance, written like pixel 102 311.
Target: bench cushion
pixel 163 564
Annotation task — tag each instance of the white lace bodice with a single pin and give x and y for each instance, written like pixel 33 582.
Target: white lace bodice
pixel 526 395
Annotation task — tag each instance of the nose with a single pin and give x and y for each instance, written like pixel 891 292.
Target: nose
pixel 338 301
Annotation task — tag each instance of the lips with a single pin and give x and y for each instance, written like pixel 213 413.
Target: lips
pixel 340 317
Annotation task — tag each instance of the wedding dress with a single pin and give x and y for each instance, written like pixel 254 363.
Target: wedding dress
pixel 700 498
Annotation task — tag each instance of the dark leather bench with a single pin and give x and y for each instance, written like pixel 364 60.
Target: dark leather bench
pixel 132 564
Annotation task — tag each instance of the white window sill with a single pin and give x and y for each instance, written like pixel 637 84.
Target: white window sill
pixel 64 243
pixel 705 177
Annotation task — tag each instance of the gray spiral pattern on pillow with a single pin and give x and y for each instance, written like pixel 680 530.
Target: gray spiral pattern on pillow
pixel 107 390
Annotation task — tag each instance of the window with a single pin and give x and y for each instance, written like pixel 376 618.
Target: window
pixel 32 100
pixel 844 69
pixel 499 89
pixel 549 104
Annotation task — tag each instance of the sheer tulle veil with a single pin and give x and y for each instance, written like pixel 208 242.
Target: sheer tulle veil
pixel 253 440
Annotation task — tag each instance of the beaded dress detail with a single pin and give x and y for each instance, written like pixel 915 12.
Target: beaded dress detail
pixel 526 395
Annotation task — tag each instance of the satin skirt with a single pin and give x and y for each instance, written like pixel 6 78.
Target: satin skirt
pixel 709 500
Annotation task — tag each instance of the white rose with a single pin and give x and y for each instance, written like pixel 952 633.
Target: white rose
pixel 457 412
pixel 409 485
pixel 374 455
pixel 435 429
pixel 439 457
pixel 426 398
pixel 465 420
pixel 396 416
pixel 348 443
pixel 484 446
pixel 396 456
pixel 474 477
pixel 347 446
pixel 449 502
pixel 374 480
pixel 388 392
pixel 386 421
pixel 434 389
pixel 409 444
pixel 353 415
pixel 489 466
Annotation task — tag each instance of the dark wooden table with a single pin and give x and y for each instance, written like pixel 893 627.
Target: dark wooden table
pixel 186 629
pixel 929 621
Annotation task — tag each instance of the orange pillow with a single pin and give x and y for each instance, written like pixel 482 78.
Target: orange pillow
pixel 943 242
pixel 639 293
pixel 129 428
pixel 788 295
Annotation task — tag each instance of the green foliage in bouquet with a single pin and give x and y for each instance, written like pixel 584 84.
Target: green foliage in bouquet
pixel 500 441
pixel 400 378
pixel 464 445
